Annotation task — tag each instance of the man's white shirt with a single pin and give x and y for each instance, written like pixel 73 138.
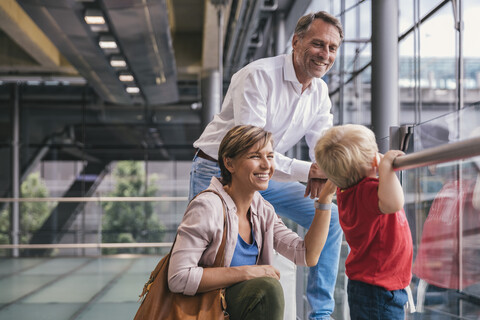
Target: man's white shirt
pixel 266 93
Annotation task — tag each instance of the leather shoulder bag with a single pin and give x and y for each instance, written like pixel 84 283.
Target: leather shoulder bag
pixel 158 302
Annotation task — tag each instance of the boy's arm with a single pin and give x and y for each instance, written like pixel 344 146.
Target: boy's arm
pixel 390 192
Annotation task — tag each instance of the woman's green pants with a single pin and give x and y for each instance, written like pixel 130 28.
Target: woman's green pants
pixel 260 298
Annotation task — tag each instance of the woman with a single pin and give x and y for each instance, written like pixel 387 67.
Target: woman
pixel 253 232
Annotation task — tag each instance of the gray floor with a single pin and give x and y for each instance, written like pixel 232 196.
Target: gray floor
pixel 108 288
pixel 72 288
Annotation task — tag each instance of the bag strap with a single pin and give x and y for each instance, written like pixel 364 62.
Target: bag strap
pixel 220 257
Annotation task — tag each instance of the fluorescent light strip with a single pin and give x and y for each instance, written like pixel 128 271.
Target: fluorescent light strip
pixel 133 90
pixel 118 63
pixel 94 20
pixel 107 44
pixel 126 77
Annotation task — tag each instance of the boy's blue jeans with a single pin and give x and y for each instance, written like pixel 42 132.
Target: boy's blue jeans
pixel 369 302
pixel 288 201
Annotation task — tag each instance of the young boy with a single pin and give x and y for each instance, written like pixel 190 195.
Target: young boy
pixel 373 220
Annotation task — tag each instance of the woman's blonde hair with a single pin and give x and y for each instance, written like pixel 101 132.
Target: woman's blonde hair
pixel 345 154
pixel 237 142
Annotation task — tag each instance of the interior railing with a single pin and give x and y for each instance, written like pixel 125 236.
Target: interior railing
pixel 445 153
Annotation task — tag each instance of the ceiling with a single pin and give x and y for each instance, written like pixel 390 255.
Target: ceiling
pixel 167 44
pixel 73 103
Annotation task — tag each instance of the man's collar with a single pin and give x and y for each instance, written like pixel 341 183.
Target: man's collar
pixel 289 70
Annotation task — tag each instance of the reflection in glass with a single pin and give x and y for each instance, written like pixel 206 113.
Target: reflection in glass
pixel 443 204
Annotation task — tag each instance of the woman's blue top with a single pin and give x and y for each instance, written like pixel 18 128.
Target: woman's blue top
pixel 245 254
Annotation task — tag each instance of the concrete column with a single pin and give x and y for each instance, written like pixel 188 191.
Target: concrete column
pixel 385 101
pixel 211 95
pixel 280 34
pixel 220 15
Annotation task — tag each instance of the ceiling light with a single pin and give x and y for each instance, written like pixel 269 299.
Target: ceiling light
pixel 94 16
pixel 118 62
pixel 161 79
pixel 107 42
pixel 133 90
pixel 196 105
pixel 109 45
pixel 95 19
pixel 126 77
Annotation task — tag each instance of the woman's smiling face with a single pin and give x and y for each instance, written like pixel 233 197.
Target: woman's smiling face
pixel 252 170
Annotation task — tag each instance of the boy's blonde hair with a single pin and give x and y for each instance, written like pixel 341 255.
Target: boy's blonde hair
pixel 345 154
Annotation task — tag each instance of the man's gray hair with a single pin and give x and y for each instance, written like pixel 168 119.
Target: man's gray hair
pixel 306 21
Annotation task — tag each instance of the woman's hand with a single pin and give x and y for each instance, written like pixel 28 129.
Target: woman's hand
pixel 327 192
pixel 216 278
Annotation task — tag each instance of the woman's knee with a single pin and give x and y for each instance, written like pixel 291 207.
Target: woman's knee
pixel 267 295
pixel 261 298
pixel 271 286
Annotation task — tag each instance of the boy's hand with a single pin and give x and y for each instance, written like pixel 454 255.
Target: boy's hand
pixel 386 161
pixel 390 193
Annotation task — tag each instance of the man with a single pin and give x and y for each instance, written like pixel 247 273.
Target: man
pixel 285 95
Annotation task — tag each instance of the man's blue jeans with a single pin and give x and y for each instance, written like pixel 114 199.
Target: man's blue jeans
pixel 288 201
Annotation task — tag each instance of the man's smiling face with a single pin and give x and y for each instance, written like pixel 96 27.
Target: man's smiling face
pixel 315 51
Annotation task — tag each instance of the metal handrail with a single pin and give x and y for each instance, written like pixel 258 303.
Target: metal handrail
pixel 95 199
pixel 448 152
pixel 87 245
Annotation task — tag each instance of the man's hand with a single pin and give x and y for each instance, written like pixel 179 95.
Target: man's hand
pixel 314 187
pixel 316 181
pixel 316 172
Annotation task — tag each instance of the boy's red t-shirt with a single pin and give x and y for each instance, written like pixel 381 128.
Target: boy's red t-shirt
pixel 380 244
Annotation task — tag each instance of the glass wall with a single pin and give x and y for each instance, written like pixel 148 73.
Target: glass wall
pixel 443 207
pixel 94 179
pixel 433 52
pixel 439 74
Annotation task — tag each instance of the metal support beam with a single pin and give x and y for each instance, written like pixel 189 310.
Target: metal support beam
pixel 20 28
pixel 220 50
pixel 385 104
pixel 15 213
